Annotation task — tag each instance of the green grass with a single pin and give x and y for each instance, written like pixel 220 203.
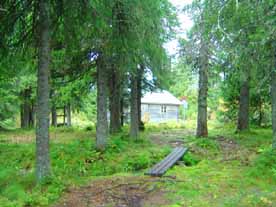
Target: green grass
pixel 247 179
pixel 214 182
pixel 73 161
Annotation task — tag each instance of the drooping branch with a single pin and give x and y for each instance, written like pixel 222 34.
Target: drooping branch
pixel 219 24
pixel 3 10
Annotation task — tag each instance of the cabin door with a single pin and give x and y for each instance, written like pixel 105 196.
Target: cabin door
pixel 163 112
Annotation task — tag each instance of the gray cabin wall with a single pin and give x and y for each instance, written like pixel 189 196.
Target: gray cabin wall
pixel 159 113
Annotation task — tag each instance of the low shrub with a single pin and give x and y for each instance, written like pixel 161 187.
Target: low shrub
pixel 190 159
pixel 89 128
pixel 206 143
pixel 265 165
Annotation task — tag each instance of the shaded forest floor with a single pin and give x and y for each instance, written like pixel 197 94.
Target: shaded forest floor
pixel 226 169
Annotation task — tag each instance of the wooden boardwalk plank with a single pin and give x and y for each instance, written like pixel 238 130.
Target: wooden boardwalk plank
pixel 160 168
pixel 174 156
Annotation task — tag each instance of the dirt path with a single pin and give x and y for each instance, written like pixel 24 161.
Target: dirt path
pixel 231 150
pixel 117 192
pixel 134 191
pixel 144 191
pixel 172 138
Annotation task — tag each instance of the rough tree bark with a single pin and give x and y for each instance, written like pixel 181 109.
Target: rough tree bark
pixel 273 97
pixel 42 131
pixel 115 100
pixel 139 93
pixel 202 128
pixel 134 119
pixel 102 123
pixel 32 114
pixel 26 109
pixel 54 115
pixel 120 29
pixel 243 116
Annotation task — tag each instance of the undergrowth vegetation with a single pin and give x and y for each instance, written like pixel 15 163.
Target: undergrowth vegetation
pixel 233 170
pixel 226 169
pixel 73 163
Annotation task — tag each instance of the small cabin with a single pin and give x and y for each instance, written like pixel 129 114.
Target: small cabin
pixel 159 107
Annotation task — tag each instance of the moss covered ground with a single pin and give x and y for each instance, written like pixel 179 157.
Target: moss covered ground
pixel 226 169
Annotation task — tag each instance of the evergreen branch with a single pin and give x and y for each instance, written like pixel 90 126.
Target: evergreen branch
pixel 219 23
pixel 3 10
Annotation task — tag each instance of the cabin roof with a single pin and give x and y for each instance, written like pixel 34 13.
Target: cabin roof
pixel 160 97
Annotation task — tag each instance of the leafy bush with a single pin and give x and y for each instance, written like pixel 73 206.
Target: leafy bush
pixel 138 162
pixel 14 192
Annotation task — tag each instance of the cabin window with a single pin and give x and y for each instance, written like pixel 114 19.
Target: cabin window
pixel 163 109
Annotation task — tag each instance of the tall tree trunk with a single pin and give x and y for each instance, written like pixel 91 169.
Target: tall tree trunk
pixel 22 115
pixel 273 97
pixel 134 119
pixel 115 100
pixel 68 115
pixel 202 128
pixel 54 115
pixel 102 123
pixel 42 131
pixel 243 116
pixel 26 109
pixel 25 112
pixel 139 94
pixel 32 114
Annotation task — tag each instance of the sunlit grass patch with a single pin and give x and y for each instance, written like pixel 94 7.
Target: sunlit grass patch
pixel 58 135
pixel 246 180
pixel 73 162
pixel 226 169
pixel 165 125
pixel 211 183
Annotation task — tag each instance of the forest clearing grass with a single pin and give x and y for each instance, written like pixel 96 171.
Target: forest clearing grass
pixel 219 172
pixel 73 161
pixel 247 179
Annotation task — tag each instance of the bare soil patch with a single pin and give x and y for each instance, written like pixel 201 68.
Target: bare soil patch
pixel 117 192
pixel 135 191
pixel 231 150
pixel 172 138
pixel 227 145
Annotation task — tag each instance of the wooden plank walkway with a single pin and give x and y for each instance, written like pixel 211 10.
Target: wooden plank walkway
pixel 160 168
